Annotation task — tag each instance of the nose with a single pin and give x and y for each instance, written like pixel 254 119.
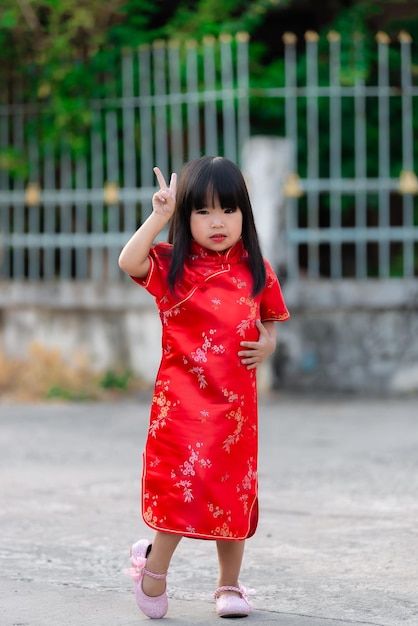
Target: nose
pixel 217 219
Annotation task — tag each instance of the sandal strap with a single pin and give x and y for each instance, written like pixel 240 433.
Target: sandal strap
pixel 241 590
pixel 227 588
pixel 152 575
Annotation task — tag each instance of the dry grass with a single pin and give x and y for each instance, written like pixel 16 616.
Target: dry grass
pixel 45 374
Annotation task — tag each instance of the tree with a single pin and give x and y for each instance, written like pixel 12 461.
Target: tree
pixel 58 52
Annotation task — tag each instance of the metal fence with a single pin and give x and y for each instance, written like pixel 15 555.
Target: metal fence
pixel 364 222
pixel 352 205
pixel 72 215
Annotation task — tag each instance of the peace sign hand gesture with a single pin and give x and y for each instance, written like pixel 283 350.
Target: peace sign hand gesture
pixel 164 200
pixel 134 258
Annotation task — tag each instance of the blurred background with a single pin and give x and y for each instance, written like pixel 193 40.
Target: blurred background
pixel 316 102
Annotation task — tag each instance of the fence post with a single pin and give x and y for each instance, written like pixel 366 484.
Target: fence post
pixel 266 162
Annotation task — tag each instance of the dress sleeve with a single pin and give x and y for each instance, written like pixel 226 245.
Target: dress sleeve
pixel 156 281
pixel 272 307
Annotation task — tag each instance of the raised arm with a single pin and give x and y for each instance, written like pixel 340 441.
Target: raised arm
pixel 134 256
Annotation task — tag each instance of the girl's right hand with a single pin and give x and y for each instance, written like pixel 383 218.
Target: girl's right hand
pixel 164 200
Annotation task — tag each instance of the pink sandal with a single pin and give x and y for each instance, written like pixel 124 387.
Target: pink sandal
pixel 228 605
pixel 152 606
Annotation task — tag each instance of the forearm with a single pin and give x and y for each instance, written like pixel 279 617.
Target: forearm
pixel 271 329
pixel 256 352
pixel 134 256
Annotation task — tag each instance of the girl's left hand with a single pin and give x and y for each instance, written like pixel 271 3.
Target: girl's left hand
pixel 258 351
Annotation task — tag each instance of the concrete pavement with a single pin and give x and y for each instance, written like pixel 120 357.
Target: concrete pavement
pixel 337 542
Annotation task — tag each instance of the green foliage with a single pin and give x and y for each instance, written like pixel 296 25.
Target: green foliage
pixel 58 52
pixel 12 161
pixel 140 22
pixel 62 53
pixel 109 381
pixel 116 380
pixel 214 17
pixel 59 393
pixel 50 47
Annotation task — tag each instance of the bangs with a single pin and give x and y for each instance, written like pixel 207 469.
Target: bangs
pixel 212 186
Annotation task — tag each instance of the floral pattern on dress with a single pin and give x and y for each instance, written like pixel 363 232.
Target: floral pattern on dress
pixel 149 516
pixel 200 460
pixel 240 284
pixel 247 323
pixel 188 469
pixel 234 437
pixel 164 404
pixel 224 518
pixel 200 375
pixel 223 531
pixel 231 395
pixel 170 313
pixel 199 355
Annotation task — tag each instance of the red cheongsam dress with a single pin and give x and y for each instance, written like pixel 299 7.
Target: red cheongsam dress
pixel 200 460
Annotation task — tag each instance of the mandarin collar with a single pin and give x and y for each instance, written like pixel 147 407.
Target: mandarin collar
pixel 199 254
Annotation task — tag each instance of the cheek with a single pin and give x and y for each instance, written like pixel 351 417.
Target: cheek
pixel 195 228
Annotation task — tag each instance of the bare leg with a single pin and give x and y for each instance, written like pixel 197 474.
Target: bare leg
pixel 230 554
pixel 158 561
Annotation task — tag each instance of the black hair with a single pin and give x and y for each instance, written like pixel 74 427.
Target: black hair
pixel 201 182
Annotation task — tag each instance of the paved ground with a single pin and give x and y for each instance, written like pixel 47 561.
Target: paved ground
pixel 337 543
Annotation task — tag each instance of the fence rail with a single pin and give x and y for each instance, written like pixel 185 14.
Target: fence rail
pixel 71 215
pixel 352 207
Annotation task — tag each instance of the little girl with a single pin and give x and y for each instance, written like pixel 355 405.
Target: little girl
pixel 218 301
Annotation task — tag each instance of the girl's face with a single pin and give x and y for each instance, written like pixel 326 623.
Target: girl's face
pixel 216 228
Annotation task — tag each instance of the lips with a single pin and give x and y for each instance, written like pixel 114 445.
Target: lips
pixel 218 237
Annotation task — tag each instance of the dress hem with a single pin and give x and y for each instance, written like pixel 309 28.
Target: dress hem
pixel 197 535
